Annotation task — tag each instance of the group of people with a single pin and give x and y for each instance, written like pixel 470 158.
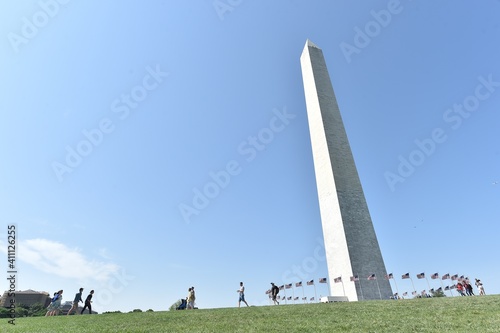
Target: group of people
pixel 464 287
pixel 55 303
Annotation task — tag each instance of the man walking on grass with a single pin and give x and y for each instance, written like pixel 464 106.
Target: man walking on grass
pixel 78 299
pixel 241 292
pixel 88 303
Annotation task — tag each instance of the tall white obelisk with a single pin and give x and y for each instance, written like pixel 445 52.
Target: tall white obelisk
pixel 350 242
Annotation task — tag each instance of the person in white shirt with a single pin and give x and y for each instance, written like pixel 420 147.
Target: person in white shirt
pixel 241 292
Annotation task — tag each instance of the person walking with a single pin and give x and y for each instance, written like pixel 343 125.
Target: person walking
pixel 274 293
pixel 88 302
pixel 190 299
pixel 55 304
pixel 480 287
pixel 241 292
pixel 78 299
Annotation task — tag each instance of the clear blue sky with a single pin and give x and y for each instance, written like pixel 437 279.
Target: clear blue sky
pixel 114 115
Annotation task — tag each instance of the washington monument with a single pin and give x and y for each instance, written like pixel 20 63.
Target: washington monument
pixel 350 242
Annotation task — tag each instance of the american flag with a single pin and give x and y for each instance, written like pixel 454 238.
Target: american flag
pixel 371 277
pixel 282 287
pixel 289 298
pixel 283 298
pixel 389 276
pixel 413 293
pixel 447 288
pixel 288 286
pixel 311 299
pixel 439 289
pixel 453 286
pixel 405 293
pixel 354 278
pixel 296 298
pixel 421 276
pixel 435 276
pixel 304 298
pixel 432 290
pixel 336 280
pixel 405 276
pixel 268 291
pixel 310 283
pixel 298 284
pixel 322 280
pixel 446 276
pixel 454 277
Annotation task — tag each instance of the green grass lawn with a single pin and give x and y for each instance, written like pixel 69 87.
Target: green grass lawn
pixel 457 314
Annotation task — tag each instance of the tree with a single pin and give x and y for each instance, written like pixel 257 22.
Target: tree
pixel 438 293
pixel 175 305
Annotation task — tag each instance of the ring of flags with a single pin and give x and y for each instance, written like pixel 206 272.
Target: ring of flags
pixel 371 277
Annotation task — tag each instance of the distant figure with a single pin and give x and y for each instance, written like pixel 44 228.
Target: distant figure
pixel 274 293
pixel 468 289
pixel 88 302
pixel 241 292
pixel 78 299
pixel 480 287
pixel 55 304
pixel 460 289
pixel 194 297
pixel 190 298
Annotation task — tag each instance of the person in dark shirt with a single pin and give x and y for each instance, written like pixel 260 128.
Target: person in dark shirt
pixel 78 299
pixel 88 303
pixel 274 293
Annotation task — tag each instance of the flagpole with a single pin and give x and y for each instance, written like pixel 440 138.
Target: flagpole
pixel 378 287
pixel 293 295
pixel 284 290
pixel 396 285
pixel 428 285
pixel 360 289
pixel 302 290
pixel 442 285
pixel 412 283
pixel 315 295
pixel 342 280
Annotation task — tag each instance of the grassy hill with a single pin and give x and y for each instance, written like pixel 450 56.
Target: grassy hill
pixel 457 314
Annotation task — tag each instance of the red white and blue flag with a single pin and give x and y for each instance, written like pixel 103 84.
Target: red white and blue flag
pixel 421 276
pixel 435 276
pixel 298 284
pixel 310 283
pixel 322 280
pixel 338 279
pixel 354 278
pixel 405 276
pixel 371 277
